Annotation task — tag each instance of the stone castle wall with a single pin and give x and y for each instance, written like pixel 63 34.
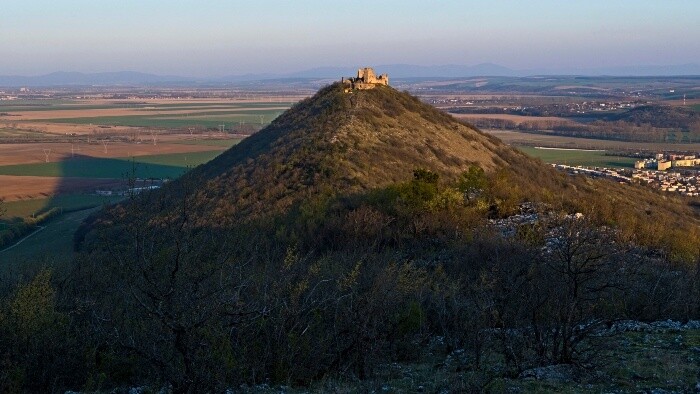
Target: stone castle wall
pixel 366 79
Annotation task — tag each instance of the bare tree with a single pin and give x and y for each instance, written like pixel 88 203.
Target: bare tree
pixel 181 292
pixel 579 271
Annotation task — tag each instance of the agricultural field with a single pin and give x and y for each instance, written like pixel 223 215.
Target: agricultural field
pixel 68 202
pixel 519 138
pixel 179 120
pixel 83 116
pixel 55 154
pixel 589 158
pixel 51 245
pixel 155 166
pixel 517 119
pixel 34 187
pixel 14 134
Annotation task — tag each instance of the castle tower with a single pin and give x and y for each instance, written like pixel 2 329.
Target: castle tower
pixel 366 79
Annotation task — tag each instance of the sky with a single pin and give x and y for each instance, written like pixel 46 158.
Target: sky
pixel 210 38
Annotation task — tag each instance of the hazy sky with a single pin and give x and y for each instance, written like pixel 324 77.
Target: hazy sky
pixel 224 37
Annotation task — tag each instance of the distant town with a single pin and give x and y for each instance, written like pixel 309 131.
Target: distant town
pixel 667 172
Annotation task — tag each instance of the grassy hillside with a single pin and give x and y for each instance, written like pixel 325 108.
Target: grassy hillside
pixel 344 142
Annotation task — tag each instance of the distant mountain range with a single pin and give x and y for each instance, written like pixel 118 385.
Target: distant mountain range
pixel 81 79
pixel 130 78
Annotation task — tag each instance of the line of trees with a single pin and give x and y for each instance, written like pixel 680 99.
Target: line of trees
pixel 610 130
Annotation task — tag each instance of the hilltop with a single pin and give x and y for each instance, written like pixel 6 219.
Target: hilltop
pixel 344 143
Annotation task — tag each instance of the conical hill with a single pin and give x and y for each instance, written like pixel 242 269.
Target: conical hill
pixel 339 142
pixel 339 145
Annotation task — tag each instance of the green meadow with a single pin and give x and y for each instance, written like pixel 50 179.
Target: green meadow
pixel 67 202
pixel 51 246
pixel 579 157
pixel 52 243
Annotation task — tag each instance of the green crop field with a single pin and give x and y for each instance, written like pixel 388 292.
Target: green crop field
pixel 58 105
pixel 213 104
pixel 52 246
pixel 176 120
pixel 54 107
pixel 19 134
pixel 223 143
pixel 155 166
pixel 19 105
pixel 69 202
pixel 578 157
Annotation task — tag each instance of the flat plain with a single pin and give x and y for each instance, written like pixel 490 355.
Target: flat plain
pixel 590 158
pixel 552 140
pixel 100 116
pixel 57 153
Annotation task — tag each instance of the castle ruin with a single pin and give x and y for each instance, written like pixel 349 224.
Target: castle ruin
pixel 366 79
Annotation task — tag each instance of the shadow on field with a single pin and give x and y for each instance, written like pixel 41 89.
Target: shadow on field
pixel 41 230
pixel 82 166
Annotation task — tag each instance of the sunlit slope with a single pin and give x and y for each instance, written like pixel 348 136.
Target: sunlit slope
pixel 337 142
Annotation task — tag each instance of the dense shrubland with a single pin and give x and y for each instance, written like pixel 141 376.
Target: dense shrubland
pixel 339 286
